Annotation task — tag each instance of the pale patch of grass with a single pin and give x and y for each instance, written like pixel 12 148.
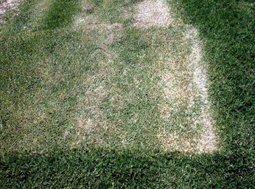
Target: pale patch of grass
pixel 152 13
pixel 6 5
pixel 176 142
pixel 131 103
pixel 185 104
pixel 8 8
pixel 200 79
pixel 85 16
pixel 247 6
pixel 105 83
pixel 172 56
pixel 90 104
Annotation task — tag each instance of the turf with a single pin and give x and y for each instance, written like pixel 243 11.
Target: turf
pixel 51 70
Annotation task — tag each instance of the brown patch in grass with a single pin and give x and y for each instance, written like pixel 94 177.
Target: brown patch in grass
pixel 91 123
pixel 86 20
pixel 81 24
pixel 183 80
pixel 173 141
pixel 40 9
pixel 85 17
pixel 248 6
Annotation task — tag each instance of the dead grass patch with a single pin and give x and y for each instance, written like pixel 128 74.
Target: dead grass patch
pixel 152 13
pixel 92 126
pixel 208 139
pixel 8 5
pixel 173 142
pixel 185 105
pixel 248 6
pixel 184 84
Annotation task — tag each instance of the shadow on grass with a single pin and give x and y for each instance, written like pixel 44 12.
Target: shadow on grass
pixel 99 168
pixel 60 13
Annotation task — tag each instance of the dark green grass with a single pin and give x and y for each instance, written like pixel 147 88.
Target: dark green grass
pixel 228 30
pixel 60 13
pixel 100 168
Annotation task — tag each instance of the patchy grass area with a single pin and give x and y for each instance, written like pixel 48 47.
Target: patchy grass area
pixel 109 81
pixel 119 100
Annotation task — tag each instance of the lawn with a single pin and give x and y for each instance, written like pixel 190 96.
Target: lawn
pixel 127 94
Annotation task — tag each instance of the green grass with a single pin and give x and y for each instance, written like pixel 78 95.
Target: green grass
pixel 59 77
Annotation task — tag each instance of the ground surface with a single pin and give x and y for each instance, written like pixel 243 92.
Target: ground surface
pixel 127 94
pixel 147 87
pixel 183 78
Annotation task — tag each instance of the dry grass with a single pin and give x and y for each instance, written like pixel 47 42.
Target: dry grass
pixel 208 139
pixel 92 126
pixel 40 10
pixel 8 5
pixel 152 13
pixel 185 106
pixel 146 87
pixel 184 83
